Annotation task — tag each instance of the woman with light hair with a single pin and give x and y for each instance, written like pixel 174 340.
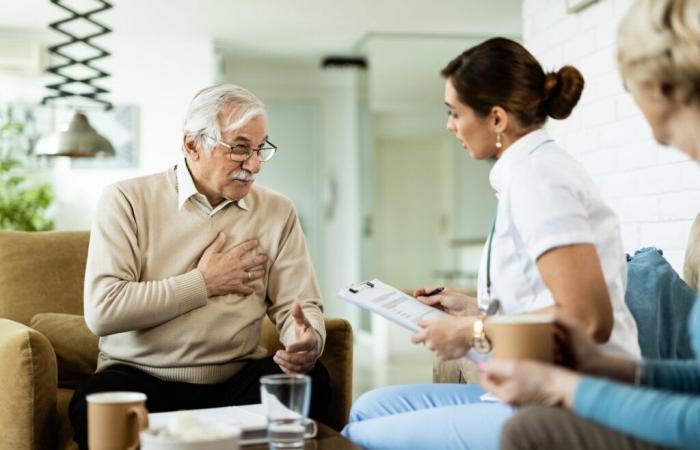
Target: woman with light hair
pixel 612 402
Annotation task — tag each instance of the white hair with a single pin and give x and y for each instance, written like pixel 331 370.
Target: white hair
pixel 659 42
pixel 202 118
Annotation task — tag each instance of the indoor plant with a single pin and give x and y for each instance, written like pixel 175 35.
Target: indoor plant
pixel 23 206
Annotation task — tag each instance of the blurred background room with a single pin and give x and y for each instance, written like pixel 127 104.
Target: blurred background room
pixel 355 104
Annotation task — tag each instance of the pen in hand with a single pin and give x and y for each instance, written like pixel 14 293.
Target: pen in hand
pixel 434 292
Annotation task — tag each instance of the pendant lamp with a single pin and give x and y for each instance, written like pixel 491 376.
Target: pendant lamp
pixel 80 139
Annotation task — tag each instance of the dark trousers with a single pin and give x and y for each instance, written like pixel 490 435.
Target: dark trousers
pixel 241 389
pixel 551 428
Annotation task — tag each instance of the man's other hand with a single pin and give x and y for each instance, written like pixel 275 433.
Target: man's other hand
pixel 231 271
pixel 300 356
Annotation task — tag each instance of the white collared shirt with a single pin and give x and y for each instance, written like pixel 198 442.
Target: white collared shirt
pixel 546 200
pixel 186 190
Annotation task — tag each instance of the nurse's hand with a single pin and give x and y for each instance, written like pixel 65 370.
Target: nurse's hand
pixel 448 336
pixel 449 301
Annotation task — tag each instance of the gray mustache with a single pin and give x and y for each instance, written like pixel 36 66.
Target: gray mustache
pixel 242 175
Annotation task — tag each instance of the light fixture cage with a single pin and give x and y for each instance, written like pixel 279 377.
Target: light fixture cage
pixel 61 88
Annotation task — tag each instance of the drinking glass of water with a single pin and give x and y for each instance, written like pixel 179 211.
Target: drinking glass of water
pixel 286 399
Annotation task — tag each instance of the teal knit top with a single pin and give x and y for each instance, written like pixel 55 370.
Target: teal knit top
pixel 664 410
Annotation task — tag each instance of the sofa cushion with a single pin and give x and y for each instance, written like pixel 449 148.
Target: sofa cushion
pixel 74 344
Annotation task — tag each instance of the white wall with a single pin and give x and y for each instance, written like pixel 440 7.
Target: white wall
pixel 15 88
pixel 654 190
pixel 475 199
pixel 411 217
pixel 157 74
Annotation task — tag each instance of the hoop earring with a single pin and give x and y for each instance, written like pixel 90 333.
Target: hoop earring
pixel 499 144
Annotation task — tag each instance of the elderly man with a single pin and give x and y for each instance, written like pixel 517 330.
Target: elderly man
pixel 183 265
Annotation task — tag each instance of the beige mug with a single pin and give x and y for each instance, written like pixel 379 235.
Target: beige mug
pixel 526 336
pixel 115 420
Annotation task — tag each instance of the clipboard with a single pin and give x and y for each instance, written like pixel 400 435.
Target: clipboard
pixel 390 303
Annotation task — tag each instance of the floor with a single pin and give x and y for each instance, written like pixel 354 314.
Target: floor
pixel 370 373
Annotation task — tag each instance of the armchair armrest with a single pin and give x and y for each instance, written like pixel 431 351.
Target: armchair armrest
pixel 28 390
pixel 337 358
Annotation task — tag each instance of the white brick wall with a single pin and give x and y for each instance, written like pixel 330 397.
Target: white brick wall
pixel 654 190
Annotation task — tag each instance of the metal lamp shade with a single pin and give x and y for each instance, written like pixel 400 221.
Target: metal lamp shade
pixel 80 140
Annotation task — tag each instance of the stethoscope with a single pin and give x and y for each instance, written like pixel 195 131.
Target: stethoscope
pixel 494 304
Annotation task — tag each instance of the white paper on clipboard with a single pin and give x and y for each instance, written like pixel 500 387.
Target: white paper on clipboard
pixel 389 303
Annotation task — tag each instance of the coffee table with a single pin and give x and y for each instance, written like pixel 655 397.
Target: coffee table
pixel 326 439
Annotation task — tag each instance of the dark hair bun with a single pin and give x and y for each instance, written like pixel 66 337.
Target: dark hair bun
pixel 562 91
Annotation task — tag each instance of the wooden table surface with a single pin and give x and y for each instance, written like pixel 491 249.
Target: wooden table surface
pixel 326 439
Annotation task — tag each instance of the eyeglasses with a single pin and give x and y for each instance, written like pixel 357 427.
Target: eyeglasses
pixel 242 152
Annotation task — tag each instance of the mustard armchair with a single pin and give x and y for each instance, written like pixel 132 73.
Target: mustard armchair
pixel 46 349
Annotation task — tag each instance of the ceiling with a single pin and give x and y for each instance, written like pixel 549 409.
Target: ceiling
pixel 289 29
pixel 406 42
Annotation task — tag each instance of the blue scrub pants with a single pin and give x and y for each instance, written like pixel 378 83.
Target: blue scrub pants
pixel 427 416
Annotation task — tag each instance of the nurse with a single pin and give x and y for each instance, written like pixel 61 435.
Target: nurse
pixel 555 246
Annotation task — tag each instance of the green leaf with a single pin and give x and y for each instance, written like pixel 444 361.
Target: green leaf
pixel 22 206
